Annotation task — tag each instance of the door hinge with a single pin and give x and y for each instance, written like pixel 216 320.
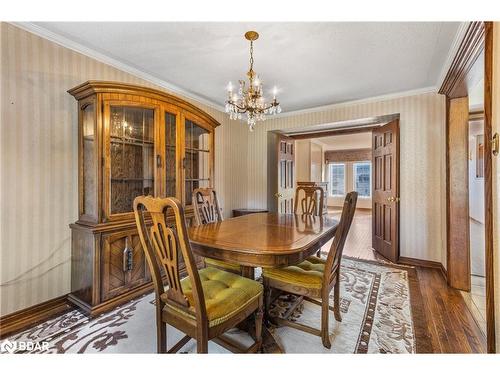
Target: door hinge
pixel 495 144
pixel 158 161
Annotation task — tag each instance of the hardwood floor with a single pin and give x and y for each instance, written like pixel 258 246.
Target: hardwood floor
pixel 451 324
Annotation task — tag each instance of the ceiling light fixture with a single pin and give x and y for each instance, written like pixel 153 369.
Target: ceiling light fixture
pixel 249 99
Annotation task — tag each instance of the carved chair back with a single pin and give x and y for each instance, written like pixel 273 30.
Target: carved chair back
pixel 163 245
pixel 332 265
pixel 311 202
pixel 206 206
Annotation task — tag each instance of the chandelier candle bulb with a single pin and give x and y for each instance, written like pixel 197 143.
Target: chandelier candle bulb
pixel 251 101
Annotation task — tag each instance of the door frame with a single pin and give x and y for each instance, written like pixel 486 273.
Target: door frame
pixel 477 38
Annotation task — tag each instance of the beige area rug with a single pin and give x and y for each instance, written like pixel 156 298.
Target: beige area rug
pixel 381 310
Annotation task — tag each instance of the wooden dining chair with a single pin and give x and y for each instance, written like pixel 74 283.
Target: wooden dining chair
pixel 206 303
pixel 311 202
pixel 315 278
pixel 207 210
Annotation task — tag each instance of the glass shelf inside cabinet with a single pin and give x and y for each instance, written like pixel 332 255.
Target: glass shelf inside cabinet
pixel 132 155
pixel 197 158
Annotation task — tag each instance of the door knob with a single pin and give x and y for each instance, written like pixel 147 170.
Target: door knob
pixel 393 199
pixel 278 195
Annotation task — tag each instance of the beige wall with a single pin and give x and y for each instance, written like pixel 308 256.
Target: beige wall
pixel 303 160
pixel 423 209
pixel 496 178
pixel 309 158
pixel 38 177
pixel 316 162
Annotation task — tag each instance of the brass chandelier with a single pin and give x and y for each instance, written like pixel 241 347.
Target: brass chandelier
pixel 250 99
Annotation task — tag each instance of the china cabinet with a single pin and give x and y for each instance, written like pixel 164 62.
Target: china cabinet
pixel 131 141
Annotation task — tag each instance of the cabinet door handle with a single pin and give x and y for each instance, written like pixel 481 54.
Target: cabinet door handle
pixel 158 161
pixel 128 258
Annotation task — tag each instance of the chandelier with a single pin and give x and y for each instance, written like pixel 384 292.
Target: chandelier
pixel 249 99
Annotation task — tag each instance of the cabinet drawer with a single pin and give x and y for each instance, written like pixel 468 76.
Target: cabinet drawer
pixel 124 265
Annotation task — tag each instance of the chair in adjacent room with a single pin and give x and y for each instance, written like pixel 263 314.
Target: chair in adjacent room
pixel 315 278
pixel 207 210
pixel 311 202
pixel 308 200
pixel 206 303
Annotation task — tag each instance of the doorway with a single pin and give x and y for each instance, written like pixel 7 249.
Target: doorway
pixel 362 156
pixel 476 297
pixel 472 63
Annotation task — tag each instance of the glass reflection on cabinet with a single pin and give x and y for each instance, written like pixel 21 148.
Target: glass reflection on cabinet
pixel 132 155
pixel 88 155
pixel 170 151
pixel 197 158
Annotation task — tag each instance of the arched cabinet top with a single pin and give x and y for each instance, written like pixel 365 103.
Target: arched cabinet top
pixel 95 87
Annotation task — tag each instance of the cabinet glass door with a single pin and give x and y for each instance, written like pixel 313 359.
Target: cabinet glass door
pixel 88 167
pixel 170 154
pixel 196 159
pixel 131 156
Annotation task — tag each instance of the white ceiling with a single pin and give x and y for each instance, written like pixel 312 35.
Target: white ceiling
pixel 312 64
pixel 346 141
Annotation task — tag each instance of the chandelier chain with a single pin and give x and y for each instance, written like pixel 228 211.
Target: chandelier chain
pixel 251 55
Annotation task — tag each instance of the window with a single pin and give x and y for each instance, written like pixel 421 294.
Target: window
pixel 362 178
pixel 337 179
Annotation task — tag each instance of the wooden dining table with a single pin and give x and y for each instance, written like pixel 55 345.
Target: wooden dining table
pixel 267 240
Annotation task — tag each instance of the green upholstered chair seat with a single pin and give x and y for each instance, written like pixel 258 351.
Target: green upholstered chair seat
pixel 226 294
pixel 308 274
pixel 224 265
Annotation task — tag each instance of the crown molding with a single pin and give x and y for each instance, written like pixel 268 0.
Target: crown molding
pixel 89 52
pixel 471 45
pixel 379 98
pixel 459 36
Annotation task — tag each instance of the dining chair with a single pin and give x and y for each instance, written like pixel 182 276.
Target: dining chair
pixel 311 202
pixel 207 210
pixel 206 303
pixel 315 278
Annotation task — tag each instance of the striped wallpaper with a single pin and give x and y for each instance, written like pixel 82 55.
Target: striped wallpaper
pixel 38 177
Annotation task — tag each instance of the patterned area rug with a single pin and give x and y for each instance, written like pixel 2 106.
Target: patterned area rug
pixel 381 308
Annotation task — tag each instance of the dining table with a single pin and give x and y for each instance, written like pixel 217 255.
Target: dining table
pixel 263 240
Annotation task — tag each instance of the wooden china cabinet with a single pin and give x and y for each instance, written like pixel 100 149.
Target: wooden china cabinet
pixel 131 141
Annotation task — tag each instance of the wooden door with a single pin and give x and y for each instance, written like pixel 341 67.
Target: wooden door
pixel 385 186
pixel 286 174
